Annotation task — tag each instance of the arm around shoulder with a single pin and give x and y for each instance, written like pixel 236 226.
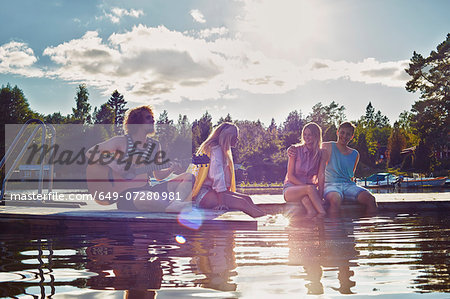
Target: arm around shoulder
pixel 292 151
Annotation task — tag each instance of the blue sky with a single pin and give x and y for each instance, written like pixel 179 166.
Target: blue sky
pixel 252 59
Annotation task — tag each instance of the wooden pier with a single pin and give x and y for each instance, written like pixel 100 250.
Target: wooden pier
pixel 66 215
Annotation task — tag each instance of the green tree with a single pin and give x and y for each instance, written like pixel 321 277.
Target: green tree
pixel 368 120
pixel 292 128
pixel 103 115
pixel 200 130
pixel 117 104
pixel 56 118
pixel 361 146
pixel 330 133
pixel 381 121
pixel 404 123
pixel 14 107
pixel 165 130
pixel 430 115
pixel 396 143
pixel 81 113
pixel 327 116
pixel 183 138
pixel 226 119
pixel 374 119
pixel 273 126
pixel 183 125
pixel 376 129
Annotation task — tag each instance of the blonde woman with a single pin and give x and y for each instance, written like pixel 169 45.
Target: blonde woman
pixel 215 185
pixel 300 184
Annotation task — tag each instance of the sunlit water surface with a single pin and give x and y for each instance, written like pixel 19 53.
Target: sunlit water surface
pixel 401 255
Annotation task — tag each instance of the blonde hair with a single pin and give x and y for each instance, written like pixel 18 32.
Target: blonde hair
pixel 316 132
pixel 221 135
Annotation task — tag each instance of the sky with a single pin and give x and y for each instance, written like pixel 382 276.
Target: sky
pixel 253 59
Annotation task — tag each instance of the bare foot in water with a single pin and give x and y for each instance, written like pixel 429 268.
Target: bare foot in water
pixel 310 214
pixel 321 215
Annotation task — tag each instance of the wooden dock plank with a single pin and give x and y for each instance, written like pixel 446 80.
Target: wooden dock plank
pixel 91 215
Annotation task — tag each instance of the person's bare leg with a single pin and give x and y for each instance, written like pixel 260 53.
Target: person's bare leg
pixel 235 202
pixel 315 199
pixel 210 200
pixel 181 188
pixel 335 201
pixel 182 185
pixel 368 200
pixel 310 210
pixel 298 192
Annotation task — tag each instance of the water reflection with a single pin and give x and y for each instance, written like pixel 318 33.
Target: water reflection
pixel 125 265
pixel 323 244
pixel 213 257
pixel 365 256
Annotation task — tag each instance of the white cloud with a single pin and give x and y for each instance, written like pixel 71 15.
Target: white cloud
pixel 145 63
pixel 18 58
pixel 117 13
pixel 158 64
pixel 369 71
pixel 210 32
pixel 197 16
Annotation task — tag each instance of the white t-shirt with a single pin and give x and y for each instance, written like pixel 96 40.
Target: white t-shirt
pixel 218 176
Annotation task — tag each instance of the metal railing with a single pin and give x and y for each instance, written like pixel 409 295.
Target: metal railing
pixel 43 126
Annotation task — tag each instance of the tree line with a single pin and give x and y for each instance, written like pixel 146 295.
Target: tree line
pixel 417 140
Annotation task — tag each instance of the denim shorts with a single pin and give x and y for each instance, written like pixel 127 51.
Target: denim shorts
pixel 287 185
pixel 201 193
pixel 347 191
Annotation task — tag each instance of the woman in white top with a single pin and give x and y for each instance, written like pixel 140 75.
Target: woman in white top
pixel 215 192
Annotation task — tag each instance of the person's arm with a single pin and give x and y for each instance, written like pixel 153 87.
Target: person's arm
pixel 164 173
pixel 321 173
pixel 109 147
pixel 356 164
pixel 291 171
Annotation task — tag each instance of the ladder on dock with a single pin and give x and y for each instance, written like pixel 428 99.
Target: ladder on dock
pixel 45 127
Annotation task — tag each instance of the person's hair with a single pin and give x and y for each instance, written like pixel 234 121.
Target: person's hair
pixel 347 125
pixel 316 132
pixel 134 117
pixel 220 135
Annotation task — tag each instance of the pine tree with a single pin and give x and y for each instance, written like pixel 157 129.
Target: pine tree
pixel 200 130
pixel 226 119
pixel 430 118
pixel 103 115
pixel 81 113
pixel 117 104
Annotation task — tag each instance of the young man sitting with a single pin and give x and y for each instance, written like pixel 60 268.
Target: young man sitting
pixel 337 169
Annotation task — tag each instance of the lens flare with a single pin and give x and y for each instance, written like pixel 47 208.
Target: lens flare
pixel 180 239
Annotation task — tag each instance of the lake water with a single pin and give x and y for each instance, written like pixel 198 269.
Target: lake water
pixel 401 255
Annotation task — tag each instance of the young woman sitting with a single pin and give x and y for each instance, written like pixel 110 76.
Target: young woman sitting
pixel 215 186
pixel 300 184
